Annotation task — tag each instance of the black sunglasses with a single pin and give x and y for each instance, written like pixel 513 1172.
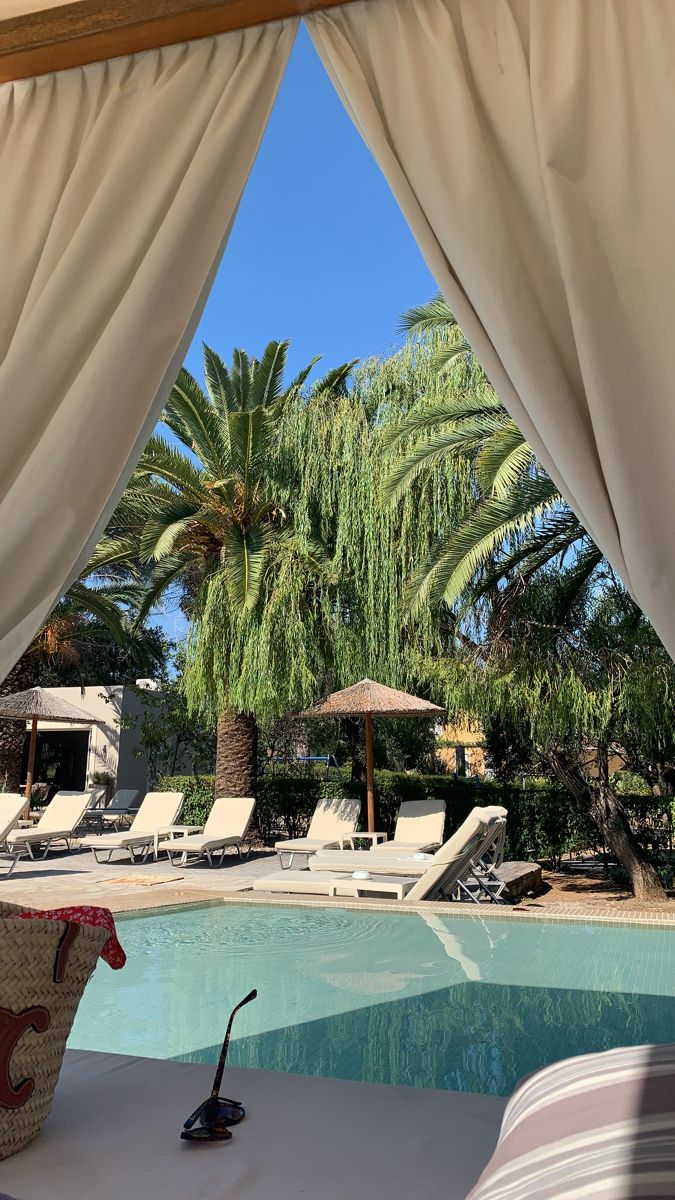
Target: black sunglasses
pixel 212 1120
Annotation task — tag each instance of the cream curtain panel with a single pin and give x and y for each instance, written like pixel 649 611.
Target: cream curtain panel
pixel 120 181
pixel 529 145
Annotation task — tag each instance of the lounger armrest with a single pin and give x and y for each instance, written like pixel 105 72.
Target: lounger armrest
pixel 350 838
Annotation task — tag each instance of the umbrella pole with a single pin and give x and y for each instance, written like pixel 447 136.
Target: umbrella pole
pixel 31 764
pixel 370 773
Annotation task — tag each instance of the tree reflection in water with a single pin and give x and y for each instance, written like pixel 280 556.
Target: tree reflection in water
pixel 474 1037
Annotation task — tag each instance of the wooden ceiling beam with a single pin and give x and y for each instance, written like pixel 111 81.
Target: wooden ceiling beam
pixel 71 35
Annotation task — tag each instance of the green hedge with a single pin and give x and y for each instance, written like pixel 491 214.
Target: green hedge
pixel 542 823
pixel 282 804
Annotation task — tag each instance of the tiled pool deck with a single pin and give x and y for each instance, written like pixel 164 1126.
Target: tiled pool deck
pixel 77 879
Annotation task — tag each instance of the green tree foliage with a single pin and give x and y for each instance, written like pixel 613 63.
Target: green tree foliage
pixel 563 663
pixel 343 456
pixel 269 520
pixel 210 510
pixel 518 520
pixel 76 647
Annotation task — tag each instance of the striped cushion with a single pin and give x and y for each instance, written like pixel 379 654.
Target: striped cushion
pixel 600 1126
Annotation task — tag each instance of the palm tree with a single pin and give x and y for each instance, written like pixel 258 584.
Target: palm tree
pixel 210 509
pixel 93 602
pixel 520 521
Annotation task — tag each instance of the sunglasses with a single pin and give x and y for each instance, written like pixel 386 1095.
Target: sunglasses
pixel 212 1120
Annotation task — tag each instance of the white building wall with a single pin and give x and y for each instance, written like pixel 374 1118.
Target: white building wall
pixel 111 748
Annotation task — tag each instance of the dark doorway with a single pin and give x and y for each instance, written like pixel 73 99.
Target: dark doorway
pixel 60 758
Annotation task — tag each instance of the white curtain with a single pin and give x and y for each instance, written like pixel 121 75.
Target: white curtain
pixel 120 181
pixel 529 144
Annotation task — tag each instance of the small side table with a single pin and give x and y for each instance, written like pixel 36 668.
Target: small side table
pixel 398 888
pixel 373 838
pixel 183 830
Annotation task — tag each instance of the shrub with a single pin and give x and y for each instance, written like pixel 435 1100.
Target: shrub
pixel 283 805
pixel 198 795
pixel 543 821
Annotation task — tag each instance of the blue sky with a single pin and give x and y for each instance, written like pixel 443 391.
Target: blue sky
pixel 319 252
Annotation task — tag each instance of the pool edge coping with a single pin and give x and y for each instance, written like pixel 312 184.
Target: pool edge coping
pixel 447 908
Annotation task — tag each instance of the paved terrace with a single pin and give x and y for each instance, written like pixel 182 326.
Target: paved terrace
pixel 63 879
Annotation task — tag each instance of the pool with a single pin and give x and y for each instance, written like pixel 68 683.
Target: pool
pixel 468 1003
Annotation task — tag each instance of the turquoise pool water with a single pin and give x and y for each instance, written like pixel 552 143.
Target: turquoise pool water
pixel 466 1003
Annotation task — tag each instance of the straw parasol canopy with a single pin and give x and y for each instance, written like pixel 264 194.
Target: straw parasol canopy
pixel 369 699
pixel 39 705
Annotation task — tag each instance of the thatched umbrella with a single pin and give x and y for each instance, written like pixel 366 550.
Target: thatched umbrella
pixel 369 699
pixel 39 705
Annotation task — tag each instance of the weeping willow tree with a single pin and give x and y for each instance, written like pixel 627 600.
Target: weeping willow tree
pixel 575 666
pixel 344 456
pixel 330 599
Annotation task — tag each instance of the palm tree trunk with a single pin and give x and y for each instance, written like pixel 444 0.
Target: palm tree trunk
pixel 598 801
pixel 13 733
pixel 236 754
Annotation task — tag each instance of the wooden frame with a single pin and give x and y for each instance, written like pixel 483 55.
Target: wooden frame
pixel 73 34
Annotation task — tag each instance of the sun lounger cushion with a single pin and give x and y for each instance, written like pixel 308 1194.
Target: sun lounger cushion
pixel 419 823
pixel 340 884
pixel 157 810
pixel 294 882
pixel 597 1125
pixel 363 860
pixel 332 820
pixel 305 845
pixel 226 825
pixel 11 807
pixel 60 819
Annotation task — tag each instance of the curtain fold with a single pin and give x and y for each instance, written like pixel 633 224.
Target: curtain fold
pixel 528 146
pixel 120 181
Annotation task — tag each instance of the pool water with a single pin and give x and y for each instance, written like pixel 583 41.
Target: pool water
pixel 467 1003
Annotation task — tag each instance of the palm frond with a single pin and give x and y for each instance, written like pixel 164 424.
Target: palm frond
pixel 218 382
pixel 578 576
pixel 195 421
pixel 453 564
pixel 455 411
pixel 427 454
pixel 241 377
pixel 428 318
pixel 250 441
pixel 103 607
pixel 164 576
pixel 557 534
pixel 243 563
pixel 160 458
pixel 458 440
pixel 110 551
pixel 503 459
pixel 335 380
pixel 447 357
pixel 267 381
pixel 302 376
pixel 161 530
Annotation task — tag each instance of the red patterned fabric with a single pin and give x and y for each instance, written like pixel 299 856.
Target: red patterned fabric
pixel 112 951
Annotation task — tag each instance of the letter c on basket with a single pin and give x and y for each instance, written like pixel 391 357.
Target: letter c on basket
pixel 12 1028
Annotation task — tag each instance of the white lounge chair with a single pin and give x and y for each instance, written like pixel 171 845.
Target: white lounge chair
pixel 419 827
pixel 333 820
pixel 158 811
pixel 453 870
pixel 226 825
pixel 11 806
pixel 121 810
pixel 410 861
pixel 58 823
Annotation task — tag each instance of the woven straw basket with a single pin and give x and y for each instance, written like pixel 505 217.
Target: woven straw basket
pixel 44 968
